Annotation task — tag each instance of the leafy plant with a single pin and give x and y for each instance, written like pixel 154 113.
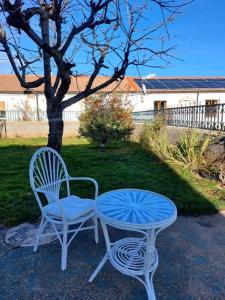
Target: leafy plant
pixel 158 122
pixel 189 150
pixel 106 117
pixel 151 130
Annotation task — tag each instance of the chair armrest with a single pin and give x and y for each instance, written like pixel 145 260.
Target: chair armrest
pixel 87 179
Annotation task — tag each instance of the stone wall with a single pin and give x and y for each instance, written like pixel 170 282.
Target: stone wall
pixel 31 129
pixel 174 132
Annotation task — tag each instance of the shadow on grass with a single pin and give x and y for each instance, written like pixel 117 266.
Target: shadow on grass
pixel 121 166
pixel 181 247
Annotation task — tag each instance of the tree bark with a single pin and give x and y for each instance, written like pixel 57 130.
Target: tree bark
pixel 56 126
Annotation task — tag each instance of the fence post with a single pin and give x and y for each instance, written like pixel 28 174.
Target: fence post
pixel 37 103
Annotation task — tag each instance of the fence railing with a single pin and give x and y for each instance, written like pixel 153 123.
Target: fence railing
pixel 211 117
pixel 20 115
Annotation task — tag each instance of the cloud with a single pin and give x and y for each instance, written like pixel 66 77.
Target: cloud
pixel 149 76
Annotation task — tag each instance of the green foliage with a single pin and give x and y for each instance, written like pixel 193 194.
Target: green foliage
pixel 151 130
pixel 154 137
pixel 158 123
pixel 189 150
pixel 106 118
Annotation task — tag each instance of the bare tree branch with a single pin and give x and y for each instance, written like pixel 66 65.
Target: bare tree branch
pixel 74 37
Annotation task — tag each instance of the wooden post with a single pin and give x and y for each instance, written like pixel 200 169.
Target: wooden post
pixel 37 104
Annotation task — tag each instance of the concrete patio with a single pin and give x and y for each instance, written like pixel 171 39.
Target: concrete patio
pixel 191 266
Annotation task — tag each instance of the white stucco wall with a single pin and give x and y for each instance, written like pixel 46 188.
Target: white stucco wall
pixel 140 102
pixel 146 102
pixel 12 100
pixel 18 101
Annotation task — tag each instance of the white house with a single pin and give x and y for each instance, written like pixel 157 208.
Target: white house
pixel 166 92
pixel 14 99
pixel 145 94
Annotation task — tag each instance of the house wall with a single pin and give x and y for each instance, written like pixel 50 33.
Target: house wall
pixel 19 101
pixel 139 101
pixel 146 102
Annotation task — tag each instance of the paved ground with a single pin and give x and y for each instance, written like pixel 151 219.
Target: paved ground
pixel 191 266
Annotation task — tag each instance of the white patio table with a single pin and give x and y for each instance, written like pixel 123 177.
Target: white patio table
pixel 136 210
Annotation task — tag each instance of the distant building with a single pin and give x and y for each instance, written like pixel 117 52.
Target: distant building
pixel 15 98
pixel 145 94
pixel 165 92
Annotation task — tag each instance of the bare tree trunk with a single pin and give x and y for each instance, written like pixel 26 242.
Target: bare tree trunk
pixel 56 126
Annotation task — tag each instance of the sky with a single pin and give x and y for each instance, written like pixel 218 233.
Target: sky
pixel 199 36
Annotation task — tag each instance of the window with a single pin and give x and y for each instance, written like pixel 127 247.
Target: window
pixel 211 108
pixel 211 102
pixel 2 110
pixel 2 105
pixel 159 105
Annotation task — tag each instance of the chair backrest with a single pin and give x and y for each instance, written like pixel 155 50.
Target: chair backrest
pixel 47 172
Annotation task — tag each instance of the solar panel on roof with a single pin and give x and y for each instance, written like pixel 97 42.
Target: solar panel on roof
pixel 149 85
pixel 216 84
pixel 173 84
pixel 159 85
pixel 185 84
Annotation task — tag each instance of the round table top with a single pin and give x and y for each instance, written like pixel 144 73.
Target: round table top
pixel 135 209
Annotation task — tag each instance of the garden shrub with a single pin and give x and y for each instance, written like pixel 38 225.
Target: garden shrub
pixel 188 151
pixel 106 118
pixel 191 148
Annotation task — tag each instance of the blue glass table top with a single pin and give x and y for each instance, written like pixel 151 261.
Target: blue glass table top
pixel 133 208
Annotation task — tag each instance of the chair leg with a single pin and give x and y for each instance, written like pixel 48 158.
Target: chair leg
pixel 40 230
pixel 64 247
pixel 95 220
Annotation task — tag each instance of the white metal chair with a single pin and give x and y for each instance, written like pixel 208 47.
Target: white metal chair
pixel 47 174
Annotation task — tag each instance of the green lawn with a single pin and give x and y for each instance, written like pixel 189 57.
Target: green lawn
pixel 120 166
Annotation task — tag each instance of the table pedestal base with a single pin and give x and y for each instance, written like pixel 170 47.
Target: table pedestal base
pixel 143 212
pixel 129 257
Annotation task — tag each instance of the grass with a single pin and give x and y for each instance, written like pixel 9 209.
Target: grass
pixel 120 166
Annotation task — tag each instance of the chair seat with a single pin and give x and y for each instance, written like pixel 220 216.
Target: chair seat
pixel 73 208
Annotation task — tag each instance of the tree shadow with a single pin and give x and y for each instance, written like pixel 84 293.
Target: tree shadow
pixel 124 165
pixel 129 166
pixel 183 262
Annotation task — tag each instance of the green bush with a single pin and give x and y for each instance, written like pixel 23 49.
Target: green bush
pixel 105 118
pixel 189 150
pixel 151 130
pixel 156 140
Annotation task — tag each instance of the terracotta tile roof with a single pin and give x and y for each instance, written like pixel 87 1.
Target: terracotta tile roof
pixel 10 84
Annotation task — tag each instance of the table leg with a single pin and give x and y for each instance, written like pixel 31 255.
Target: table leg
pixel 106 236
pixel 150 250
pixel 99 267
pixel 104 259
pixel 149 285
